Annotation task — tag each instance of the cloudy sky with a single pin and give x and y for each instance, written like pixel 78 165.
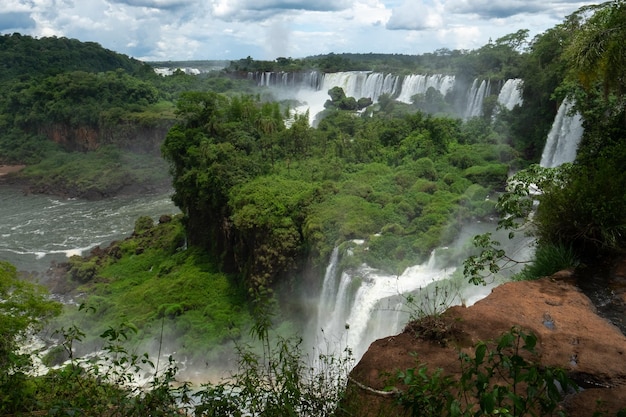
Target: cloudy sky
pixel 266 29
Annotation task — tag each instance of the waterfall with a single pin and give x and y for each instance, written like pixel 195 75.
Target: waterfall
pixel 328 296
pixel 475 97
pixel 282 79
pixel 510 94
pixel 564 137
pixel 360 84
pixel 361 305
pixel 310 89
pixel 419 84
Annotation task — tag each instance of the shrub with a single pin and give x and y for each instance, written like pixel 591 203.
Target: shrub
pixel 143 224
pixel 492 175
pixel 505 380
pixel 81 270
pixel 278 382
pixel 549 259
pixel 587 209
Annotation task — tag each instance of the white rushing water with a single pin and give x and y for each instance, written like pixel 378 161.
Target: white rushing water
pixel 311 89
pixel 510 95
pixel 360 305
pixel 475 98
pixel 564 137
pixel 419 84
pixel 38 229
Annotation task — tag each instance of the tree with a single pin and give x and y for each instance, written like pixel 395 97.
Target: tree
pixel 597 49
pixel 24 309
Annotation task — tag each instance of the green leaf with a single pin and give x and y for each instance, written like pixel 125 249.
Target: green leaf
pixel 488 402
pixel 481 350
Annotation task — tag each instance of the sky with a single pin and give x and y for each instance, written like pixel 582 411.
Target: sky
pixel 176 30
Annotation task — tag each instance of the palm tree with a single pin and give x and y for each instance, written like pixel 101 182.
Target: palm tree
pixel 598 51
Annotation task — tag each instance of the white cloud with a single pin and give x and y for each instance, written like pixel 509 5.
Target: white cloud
pixel 265 29
pixel 462 37
pixel 416 15
pixel 156 4
pixel 262 9
pixel 494 8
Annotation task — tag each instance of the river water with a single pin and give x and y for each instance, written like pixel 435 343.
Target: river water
pixel 38 229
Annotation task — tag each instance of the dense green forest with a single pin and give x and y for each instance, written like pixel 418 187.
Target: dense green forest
pixel 264 202
pixel 61 98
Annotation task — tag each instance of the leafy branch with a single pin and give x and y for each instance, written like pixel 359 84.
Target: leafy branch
pixel 516 208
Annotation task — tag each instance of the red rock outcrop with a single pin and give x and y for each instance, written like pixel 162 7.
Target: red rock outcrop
pixel 570 335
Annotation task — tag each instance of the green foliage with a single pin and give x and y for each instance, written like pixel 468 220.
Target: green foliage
pixel 110 384
pixel 587 210
pixel 81 271
pixel 491 175
pixel 103 173
pixel 269 213
pixel 477 268
pixel 75 99
pixel 143 224
pixel 17 148
pixel 339 100
pixel 548 259
pixel 515 207
pixel 24 56
pixel 24 309
pixel 279 382
pixel 185 299
pixel 596 52
pixel 501 380
pixel 242 179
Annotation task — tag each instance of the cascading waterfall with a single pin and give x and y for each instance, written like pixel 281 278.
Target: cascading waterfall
pixel 361 84
pixel 359 306
pixel 310 80
pixel 564 137
pixel 419 84
pixel 475 97
pixel 510 94
pixel 310 89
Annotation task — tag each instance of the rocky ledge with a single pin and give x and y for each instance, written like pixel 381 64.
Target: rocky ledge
pixel 571 336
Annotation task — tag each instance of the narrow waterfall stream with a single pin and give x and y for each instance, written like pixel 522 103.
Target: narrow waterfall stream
pixel 564 137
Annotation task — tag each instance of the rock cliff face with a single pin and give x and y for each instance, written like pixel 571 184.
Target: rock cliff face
pixel 571 336
pixel 128 136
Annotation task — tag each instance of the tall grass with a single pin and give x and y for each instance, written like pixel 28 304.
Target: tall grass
pixel 549 259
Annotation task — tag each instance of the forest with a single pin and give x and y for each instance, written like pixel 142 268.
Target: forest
pixel 265 197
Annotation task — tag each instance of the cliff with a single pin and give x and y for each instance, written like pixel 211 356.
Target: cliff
pixel 132 137
pixel 571 336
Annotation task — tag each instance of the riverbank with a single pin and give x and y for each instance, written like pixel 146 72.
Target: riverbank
pixel 94 176
pixel 10 169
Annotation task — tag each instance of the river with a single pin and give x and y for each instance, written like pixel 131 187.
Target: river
pixel 38 229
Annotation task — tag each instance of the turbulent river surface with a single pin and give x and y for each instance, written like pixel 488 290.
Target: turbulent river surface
pixel 38 229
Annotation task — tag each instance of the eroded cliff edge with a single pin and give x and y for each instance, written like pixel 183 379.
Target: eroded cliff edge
pixel 571 335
